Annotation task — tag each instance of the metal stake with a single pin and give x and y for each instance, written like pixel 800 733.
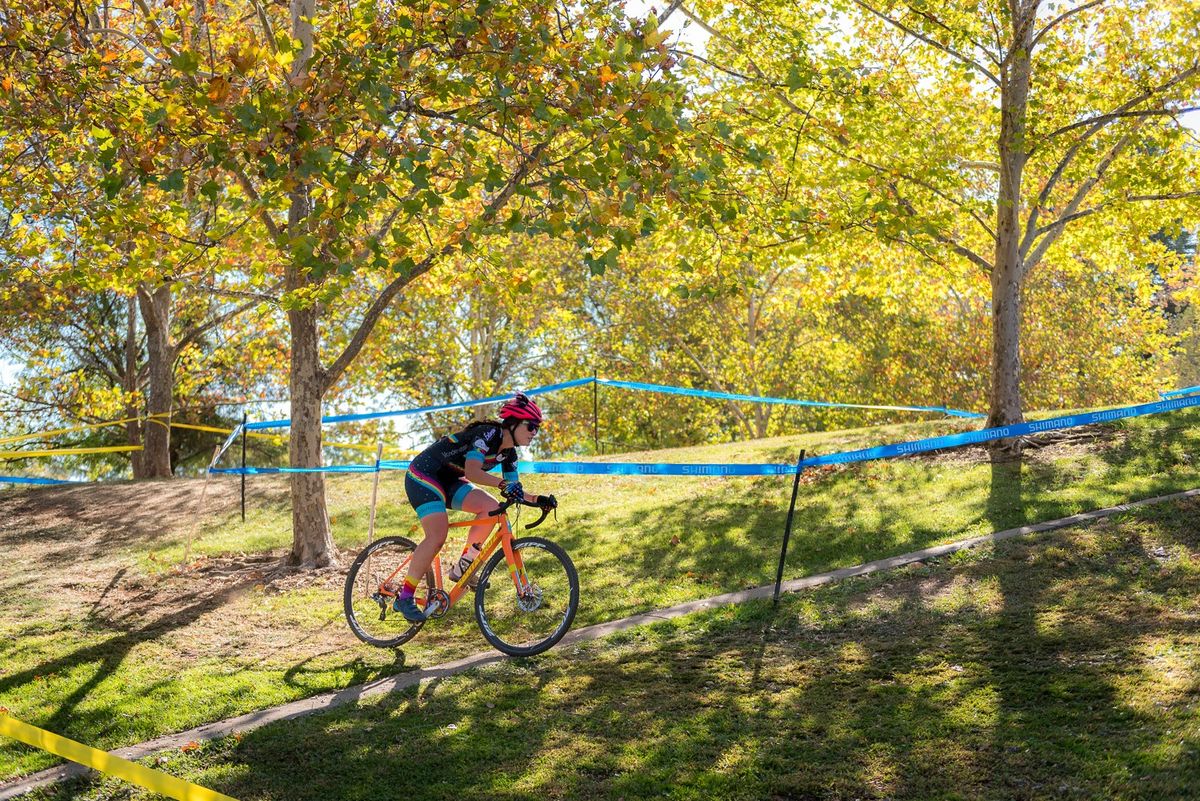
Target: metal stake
pixel 244 418
pixel 596 411
pixel 787 531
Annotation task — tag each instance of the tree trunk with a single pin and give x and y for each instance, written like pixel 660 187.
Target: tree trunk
pixel 762 412
pixel 133 429
pixel 312 541
pixel 1008 272
pixel 160 362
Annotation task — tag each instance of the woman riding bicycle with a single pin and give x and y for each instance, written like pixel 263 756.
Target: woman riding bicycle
pixel 444 475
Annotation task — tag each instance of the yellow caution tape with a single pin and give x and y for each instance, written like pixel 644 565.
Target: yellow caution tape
pixel 275 437
pixel 67 451
pixel 203 428
pixel 153 780
pixel 57 431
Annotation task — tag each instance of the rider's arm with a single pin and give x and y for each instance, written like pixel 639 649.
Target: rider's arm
pixel 508 469
pixel 473 469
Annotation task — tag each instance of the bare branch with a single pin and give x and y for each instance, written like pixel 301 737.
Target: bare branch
pixel 263 214
pixel 1097 124
pixel 1169 196
pixel 954 245
pixel 195 333
pixel 675 4
pixel 1054 230
pixel 1061 17
pixel 948 29
pixel 930 41
pixel 1106 118
pixel 782 96
pixel 727 70
pixel 389 293
pixel 268 29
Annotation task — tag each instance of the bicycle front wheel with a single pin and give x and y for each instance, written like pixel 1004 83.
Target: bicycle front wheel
pixel 372 584
pixel 527 619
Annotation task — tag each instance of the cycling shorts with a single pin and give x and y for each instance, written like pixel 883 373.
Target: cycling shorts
pixel 431 494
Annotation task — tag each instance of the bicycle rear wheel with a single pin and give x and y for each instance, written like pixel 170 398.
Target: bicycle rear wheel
pixel 372 584
pixel 527 622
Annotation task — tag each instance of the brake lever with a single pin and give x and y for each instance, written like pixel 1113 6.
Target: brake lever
pixel 538 522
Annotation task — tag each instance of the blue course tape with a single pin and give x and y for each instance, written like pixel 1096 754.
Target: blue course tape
pixel 562 468
pixel 655 469
pixel 1004 432
pixel 704 393
pixel 345 418
pixel 1175 393
pixel 579 382
pixel 846 457
pixel 26 480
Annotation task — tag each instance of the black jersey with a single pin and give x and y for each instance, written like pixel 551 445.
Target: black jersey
pixel 480 442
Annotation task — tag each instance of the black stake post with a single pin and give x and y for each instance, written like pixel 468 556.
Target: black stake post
pixel 787 531
pixel 243 467
pixel 596 411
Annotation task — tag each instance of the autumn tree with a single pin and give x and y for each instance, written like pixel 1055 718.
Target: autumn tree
pixel 363 139
pixel 81 238
pixel 980 133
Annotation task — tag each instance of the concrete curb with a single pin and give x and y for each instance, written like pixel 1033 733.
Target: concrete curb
pixel 320 703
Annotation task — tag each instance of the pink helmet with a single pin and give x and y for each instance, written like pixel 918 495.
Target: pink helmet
pixel 521 408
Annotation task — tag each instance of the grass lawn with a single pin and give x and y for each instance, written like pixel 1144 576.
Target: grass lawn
pixel 1060 666
pixel 102 640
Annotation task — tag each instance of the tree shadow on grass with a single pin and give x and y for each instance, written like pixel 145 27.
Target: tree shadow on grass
pixel 1005 677
pixel 104 659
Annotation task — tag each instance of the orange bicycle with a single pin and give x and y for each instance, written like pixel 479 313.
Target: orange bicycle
pixel 521 617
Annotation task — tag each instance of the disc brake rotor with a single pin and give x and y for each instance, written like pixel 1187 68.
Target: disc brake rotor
pixel 530 600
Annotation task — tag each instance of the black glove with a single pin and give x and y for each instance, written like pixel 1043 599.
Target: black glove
pixel 547 502
pixel 512 490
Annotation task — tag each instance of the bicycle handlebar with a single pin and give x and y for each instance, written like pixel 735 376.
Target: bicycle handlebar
pixel 503 508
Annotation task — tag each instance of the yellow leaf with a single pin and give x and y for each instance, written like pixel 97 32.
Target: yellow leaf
pixel 606 75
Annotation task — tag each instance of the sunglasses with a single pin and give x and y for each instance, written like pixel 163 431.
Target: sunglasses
pixel 533 427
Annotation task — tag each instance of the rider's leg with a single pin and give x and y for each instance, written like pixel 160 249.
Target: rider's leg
pixel 480 504
pixel 435 525
pixel 429 500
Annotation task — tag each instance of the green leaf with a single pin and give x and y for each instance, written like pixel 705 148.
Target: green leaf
pixel 248 117
pixel 796 78
pixel 111 184
pixel 173 182
pixel 155 116
pixel 186 61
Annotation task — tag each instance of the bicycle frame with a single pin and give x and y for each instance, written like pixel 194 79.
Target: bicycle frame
pixel 501 535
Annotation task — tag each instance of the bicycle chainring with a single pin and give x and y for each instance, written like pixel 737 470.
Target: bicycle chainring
pixel 442 601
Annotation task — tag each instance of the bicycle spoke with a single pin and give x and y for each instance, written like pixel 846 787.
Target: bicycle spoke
pixel 527 617
pixel 372 585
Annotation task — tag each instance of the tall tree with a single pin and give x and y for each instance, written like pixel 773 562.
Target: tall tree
pixel 382 139
pixel 981 131
pixel 78 232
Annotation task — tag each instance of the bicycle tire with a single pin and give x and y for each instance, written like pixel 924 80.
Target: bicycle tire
pixel 517 631
pixel 372 621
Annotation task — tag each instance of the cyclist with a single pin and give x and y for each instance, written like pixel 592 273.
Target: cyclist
pixel 444 475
